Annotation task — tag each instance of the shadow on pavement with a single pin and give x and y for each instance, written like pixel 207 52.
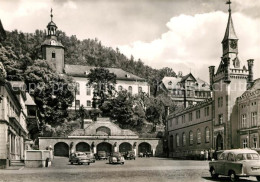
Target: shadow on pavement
pixel 224 179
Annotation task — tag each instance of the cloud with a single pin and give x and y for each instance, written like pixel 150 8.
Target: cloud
pixel 192 43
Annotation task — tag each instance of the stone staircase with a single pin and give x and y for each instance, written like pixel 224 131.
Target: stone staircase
pixel 18 163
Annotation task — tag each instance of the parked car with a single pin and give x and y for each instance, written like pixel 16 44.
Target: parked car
pixel 91 157
pixel 129 155
pixel 236 163
pixel 79 158
pixel 116 158
pixel 101 155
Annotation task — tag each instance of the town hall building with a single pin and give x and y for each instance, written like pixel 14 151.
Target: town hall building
pixel 230 119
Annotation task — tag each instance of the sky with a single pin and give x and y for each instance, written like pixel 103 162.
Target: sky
pixel 184 35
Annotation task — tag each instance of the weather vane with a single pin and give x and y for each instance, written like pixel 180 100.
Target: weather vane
pixel 229 4
pixel 51 14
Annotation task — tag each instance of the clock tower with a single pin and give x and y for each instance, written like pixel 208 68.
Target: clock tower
pixel 52 49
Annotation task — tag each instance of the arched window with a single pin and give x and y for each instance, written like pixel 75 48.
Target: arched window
pixel 183 139
pixel 120 88
pixel 130 90
pixel 207 134
pixel 191 138
pixel 198 136
pixel 53 55
pixel 177 140
pixel 88 90
pixel 77 88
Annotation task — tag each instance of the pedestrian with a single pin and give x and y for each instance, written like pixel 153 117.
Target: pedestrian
pixel 201 155
pixel 206 153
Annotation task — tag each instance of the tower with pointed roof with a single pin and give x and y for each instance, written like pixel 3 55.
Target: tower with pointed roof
pixel 52 49
pixel 228 83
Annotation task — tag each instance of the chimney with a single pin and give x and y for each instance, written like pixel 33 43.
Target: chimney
pixel 211 75
pixel 250 63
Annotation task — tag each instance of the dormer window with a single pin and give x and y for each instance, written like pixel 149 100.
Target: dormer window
pixel 127 76
pixel 170 83
pixel 86 72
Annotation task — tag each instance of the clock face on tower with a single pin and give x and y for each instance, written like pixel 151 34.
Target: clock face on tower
pixel 53 42
pixel 233 44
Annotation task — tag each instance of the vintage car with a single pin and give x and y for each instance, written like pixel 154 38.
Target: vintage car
pixel 101 155
pixel 116 158
pixel 236 163
pixel 129 155
pixel 91 157
pixel 79 158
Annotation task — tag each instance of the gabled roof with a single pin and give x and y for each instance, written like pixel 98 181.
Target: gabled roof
pixel 29 100
pixel 184 78
pixel 82 71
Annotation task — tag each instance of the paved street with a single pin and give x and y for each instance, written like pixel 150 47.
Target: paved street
pixel 142 169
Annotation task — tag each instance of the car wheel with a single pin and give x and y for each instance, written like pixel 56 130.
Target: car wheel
pixel 258 178
pixel 213 173
pixel 71 163
pixel 122 163
pixel 88 163
pixel 233 176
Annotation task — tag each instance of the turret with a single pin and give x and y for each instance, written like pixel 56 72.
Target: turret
pixel 250 63
pixel 211 75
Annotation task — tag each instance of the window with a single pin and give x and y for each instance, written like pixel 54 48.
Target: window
pixel 254 119
pixel 220 101
pixel 198 114
pixel 255 142
pixel 77 88
pixel 206 111
pixel 88 103
pixel 140 90
pixel 177 121
pixel 220 119
pixel 53 55
pixel 191 137
pixel 130 90
pixel 243 121
pixel 171 143
pixel 190 116
pixel 231 157
pixel 77 103
pixel 183 139
pixel 245 143
pixel 183 119
pixel 177 140
pixel 88 90
pixel 198 136
pixel 207 134
pixel 120 88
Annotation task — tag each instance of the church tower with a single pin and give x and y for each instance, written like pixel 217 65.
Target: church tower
pixel 52 49
pixel 229 82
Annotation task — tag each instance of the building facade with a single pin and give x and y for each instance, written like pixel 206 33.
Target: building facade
pixel 186 90
pixel 13 127
pixel 102 135
pixel 53 50
pixel 229 84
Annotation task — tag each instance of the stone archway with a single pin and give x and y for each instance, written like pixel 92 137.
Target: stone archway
pixel 82 147
pixel 125 147
pixel 219 142
pixel 144 147
pixel 103 131
pixel 61 149
pixel 104 146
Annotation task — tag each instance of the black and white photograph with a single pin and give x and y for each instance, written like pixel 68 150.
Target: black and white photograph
pixel 129 90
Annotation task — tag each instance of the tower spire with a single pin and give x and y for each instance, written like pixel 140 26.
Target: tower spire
pixel 51 14
pixel 229 5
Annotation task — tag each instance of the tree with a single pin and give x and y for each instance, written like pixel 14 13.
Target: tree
pixel 53 93
pixel 103 82
pixel 82 113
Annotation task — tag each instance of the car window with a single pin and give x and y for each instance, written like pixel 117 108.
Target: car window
pixel 252 156
pixel 231 157
pixel 221 156
pixel 240 157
